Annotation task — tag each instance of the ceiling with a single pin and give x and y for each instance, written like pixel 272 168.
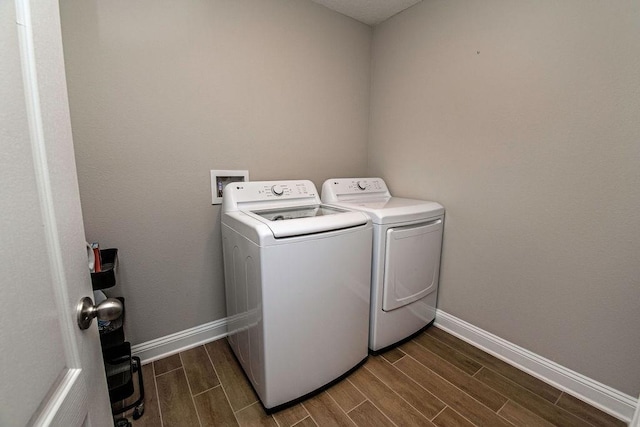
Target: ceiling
pixel 370 12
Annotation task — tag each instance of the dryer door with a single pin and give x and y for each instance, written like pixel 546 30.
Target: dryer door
pixel 412 263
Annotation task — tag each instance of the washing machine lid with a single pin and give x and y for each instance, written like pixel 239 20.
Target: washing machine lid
pixel 289 213
pixel 287 208
pixel 303 220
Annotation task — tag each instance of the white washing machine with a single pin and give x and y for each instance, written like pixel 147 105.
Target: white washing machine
pixel 297 280
pixel 407 241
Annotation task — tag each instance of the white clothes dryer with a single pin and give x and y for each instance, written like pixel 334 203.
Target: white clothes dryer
pixel 297 279
pixel 407 243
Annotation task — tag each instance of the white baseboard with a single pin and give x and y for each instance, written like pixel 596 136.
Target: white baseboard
pixel 609 400
pixel 180 341
pixel 635 422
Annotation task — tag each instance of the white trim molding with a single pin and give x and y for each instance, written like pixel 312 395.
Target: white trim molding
pixel 601 396
pixel 635 422
pixel 180 341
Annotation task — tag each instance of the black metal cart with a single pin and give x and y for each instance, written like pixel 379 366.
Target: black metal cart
pixel 120 365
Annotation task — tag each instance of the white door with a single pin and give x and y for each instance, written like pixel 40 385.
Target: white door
pixel 51 372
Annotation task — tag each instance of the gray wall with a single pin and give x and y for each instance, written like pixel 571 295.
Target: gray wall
pixel 523 119
pixel 163 91
pixel 520 117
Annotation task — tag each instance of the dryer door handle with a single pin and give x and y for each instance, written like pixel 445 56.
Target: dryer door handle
pixel 414 229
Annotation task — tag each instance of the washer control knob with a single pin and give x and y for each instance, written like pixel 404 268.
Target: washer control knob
pixel 277 190
pixel 362 185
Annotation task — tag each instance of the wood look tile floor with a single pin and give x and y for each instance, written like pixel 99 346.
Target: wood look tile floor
pixel 433 380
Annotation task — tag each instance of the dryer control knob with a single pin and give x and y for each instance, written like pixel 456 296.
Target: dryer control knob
pixel 277 190
pixel 363 185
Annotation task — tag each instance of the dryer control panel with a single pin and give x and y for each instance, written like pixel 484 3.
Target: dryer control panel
pixel 334 190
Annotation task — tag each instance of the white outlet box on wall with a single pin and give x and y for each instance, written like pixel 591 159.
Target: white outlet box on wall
pixel 220 178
